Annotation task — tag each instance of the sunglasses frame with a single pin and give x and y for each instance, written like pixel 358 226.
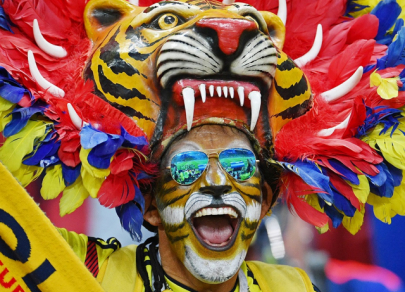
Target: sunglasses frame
pixel 211 155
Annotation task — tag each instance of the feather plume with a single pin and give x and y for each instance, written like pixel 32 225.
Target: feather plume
pixel 73 197
pixel 53 183
pixel 27 174
pixel 91 183
pixel 131 219
pixel 353 224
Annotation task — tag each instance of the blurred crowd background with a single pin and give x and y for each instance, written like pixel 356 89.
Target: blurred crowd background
pixel 371 261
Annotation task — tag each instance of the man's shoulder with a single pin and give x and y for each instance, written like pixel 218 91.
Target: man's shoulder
pixel 280 277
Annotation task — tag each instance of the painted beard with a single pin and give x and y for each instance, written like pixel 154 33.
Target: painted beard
pixel 219 231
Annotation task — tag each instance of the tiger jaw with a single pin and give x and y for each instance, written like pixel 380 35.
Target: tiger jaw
pixel 186 91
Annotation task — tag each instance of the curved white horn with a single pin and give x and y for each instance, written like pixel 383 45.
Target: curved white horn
pixel 328 132
pixel 314 51
pixel 282 10
pixel 76 120
pixel 228 2
pixel 344 88
pixel 47 47
pixel 45 84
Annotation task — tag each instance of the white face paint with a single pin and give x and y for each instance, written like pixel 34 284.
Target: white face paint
pixel 253 211
pixel 173 215
pixel 212 271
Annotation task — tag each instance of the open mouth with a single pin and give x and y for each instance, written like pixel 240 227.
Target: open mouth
pixel 185 92
pixel 216 227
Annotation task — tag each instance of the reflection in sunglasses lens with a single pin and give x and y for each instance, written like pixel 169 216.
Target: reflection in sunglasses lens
pixel 187 167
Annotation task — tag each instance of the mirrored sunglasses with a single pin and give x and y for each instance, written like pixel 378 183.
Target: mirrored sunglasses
pixel 187 167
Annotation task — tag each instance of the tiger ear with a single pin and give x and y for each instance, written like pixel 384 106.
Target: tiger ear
pixel 276 28
pixel 101 15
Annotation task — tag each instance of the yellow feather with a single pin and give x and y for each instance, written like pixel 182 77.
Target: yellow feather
pixel 91 183
pixel 5 104
pixel 5 119
pixel 93 171
pixel 398 199
pixel 392 148
pixel 353 224
pixel 22 143
pixel 53 183
pixel 362 190
pixel 27 174
pixel 381 207
pixel 323 229
pixel 73 197
pixel 313 201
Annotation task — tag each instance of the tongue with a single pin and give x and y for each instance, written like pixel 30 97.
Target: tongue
pixel 214 229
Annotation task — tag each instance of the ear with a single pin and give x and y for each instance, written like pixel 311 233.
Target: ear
pixel 151 213
pixel 276 28
pixel 267 195
pixel 101 15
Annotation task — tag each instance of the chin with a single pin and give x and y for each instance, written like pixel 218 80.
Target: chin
pixel 212 271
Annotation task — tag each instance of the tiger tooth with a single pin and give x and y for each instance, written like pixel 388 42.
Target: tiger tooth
pixel 211 88
pixel 221 211
pixel 219 91
pixel 214 211
pixel 241 93
pixel 255 103
pixel 204 212
pixel 202 92
pixel 231 92
pixel 225 89
pixel 189 101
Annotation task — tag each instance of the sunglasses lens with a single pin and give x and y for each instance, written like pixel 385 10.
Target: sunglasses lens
pixel 187 167
pixel 238 162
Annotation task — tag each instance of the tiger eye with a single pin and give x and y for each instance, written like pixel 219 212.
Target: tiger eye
pixel 168 21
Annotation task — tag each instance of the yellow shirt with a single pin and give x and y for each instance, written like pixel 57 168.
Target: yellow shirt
pixel 117 269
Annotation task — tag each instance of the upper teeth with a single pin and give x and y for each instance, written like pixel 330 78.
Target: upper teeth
pixel 189 101
pixel 217 211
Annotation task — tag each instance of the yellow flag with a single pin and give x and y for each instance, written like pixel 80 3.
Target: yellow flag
pixel 33 255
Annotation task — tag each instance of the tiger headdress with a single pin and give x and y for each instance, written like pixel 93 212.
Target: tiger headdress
pixel 91 109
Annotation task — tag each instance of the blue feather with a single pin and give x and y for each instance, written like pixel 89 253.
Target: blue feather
pixel 10 89
pixel 312 176
pixel 380 178
pixel 342 203
pixel 70 174
pixel 334 215
pixel 380 114
pixel 395 55
pixel 49 161
pixel 345 171
pixel 108 147
pixel 387 188
pixel 132 141
pixel 90 137
pixel 352 6
pixel 20 117
pixel 5 22
pixel 45 153
pixel 139 199
pixel 396 173
pixel 387 12
pixel 131 219
pixel 143 175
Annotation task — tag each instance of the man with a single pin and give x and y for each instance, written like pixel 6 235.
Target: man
pixel 198 84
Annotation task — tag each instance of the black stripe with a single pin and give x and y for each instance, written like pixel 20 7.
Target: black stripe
pixel 177 238
pixel 110 54
pixel 270 55
pixel 287 65
pixel 251 226
pixel 246 237
pixel 294 90
pixel 296 111
pixel 117 90
pixel 185 43
pixel 174 228
pixel 250 274
pixel 172 201
pixel 183 62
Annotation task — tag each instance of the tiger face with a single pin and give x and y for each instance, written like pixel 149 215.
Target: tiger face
pixel 210 223
pixel 179 64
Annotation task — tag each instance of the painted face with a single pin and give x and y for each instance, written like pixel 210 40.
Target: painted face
pixel 210 222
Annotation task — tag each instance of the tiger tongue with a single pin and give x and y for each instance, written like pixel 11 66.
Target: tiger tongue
pixel 214 229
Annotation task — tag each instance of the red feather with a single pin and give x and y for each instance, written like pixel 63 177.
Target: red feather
pixel 116 190
pixel 343 188
pixel 294 189
pixel 122 161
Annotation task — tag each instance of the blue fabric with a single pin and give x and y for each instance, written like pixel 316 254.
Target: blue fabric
pixel 359 286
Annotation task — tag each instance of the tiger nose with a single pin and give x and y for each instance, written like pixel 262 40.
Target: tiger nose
pixel 214 174
pixel 228 30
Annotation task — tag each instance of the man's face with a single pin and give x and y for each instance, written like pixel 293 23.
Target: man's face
pixel 210 222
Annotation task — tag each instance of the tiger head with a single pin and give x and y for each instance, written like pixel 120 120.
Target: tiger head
pixel 177 65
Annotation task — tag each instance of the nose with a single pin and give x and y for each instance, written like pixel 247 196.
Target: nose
pixel 228 30
pixel 214 176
